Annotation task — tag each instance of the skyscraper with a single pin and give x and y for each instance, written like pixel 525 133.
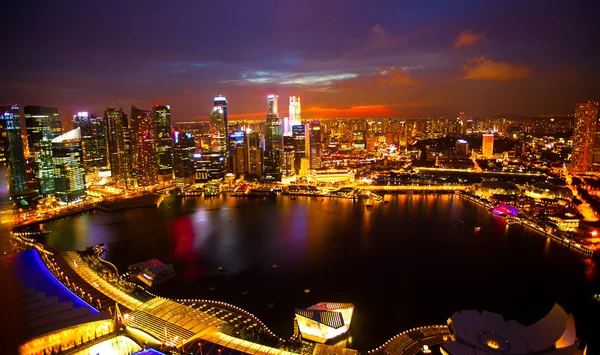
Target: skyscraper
pixel 183 159
pixel 12 148
pixel 295 113
pixel 299 138
pixel 586 143
pixel 67 163
pixel 93 136
pixel 164 141
pixel 487 145
pixel 118 148
pixel 313 144
pixel 287 167
pixel 272 104
pixel 273 141
pixel 221 102
pixel 255 155
pixel 144 160
pixel 42 125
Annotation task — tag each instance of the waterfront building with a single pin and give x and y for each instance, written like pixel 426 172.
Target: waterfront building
pixel 487 145
pixel 183 159
pixel 324 320
pixel 299 138
pixel 118 144
pixel 312 139
pixel 330 176
pixel 11 145
pixel 287 167
pixel 484 333
pixel 42 125
pixel 586 138
pixel 254 159
pixel 68 166
pixel 273 142
pixel 237 140
pixel 295 111
pixel 164 142
pixel 488 188
pixel 144 160
pixel 94 141
pixel 209 166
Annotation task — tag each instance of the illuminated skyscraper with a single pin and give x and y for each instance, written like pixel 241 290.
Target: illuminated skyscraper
pixel 164 141
pixel 287 167
pixel 67 163
pixel 118 144
pixel 487 145
pixel 299 138
pixel 93 136
pixel 273 142
pixel 43 125
pixel 144 160
pixel 272 104
pixel 183 159
pixel 312 141
pixel 12 148
pixel 295 112
pixel 255 155
pixel 585 138
pixel 218 135
pixel 221 102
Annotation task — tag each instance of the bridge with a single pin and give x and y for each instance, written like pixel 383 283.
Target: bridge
pixel 428 188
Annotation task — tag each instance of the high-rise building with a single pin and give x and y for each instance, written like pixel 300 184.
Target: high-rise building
pixel 67 163
pixel 287 167
pixel 209 166
pixel 285 126
pixel 272 104
pixel 183 159
pixel 295 112
pixel 255 155
pixel 144 160
pixel 487 145
pixel 12 148
pixel 220 102
pixel 237 140
pixel 299 138
pixel 313 144
pixel 118 148
pixel 273 142
pixel 93 138
pixel 164 141
pixel 585 137
pixel 461 148
pixel 42 125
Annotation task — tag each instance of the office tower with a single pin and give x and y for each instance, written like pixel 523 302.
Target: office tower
pixel 299 138
pixel 221 103
pixel 273 142
pixel 67 163
pixel 218 131
pixel 272 104
pixel 585 138
pixel 12 148
pixel 295 111
pixel 93 140
pixel 237 141
pixel 287 167
pixel 487 146
pixel 359 139
pixel 254 160
pixel 118 144
pixel 183 159
pixel 209 166
pixel 42 125
pixel 164 141
pixel 461 148
pixel 144 160
pixel 312 141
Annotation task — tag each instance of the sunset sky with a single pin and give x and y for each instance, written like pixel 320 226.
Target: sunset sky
pixel 344 58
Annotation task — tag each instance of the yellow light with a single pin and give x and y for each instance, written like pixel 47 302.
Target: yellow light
pixel 492 344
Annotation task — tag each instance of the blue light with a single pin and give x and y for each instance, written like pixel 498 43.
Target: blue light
pixel 176 136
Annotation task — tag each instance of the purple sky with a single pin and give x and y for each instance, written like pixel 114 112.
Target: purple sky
pixel 344 58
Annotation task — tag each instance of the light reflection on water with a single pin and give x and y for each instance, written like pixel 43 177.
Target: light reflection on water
pixel 404 264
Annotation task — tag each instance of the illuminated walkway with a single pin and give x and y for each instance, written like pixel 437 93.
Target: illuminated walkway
pixel 411 341
pixel 171 322
pixel 413 187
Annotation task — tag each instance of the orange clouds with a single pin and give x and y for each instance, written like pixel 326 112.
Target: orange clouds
pixel 186 92
pixel 483 68
pixel 354 111
pixel 467 38
pixel 246 116
pixel 383 78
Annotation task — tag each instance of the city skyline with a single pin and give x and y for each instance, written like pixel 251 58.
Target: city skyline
pixel 405 59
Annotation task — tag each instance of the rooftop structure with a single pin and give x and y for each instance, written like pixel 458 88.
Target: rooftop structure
pixel 151 271
pixel 484 333
pixel 324 320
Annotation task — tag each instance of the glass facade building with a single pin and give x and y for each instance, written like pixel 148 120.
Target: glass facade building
pixel 93 136
pixel 42 125
pixel 164 141
pixel 68 166
pixel 118 148
pixel 144 159
pixel 11 147
pixel 183 159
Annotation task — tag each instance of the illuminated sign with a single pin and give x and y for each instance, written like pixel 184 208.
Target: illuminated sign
pixel 197 155
pixel 176 136
pixel 462 141
pixel 82 114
